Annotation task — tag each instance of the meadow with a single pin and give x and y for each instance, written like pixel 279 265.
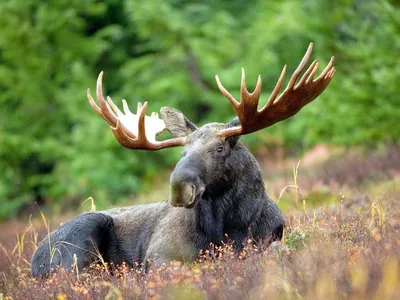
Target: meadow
pixel 342 241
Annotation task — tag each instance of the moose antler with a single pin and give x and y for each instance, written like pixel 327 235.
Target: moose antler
pixel 132 131
pixel 293 98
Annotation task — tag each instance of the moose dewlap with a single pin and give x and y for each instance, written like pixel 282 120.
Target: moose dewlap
pixel 216 192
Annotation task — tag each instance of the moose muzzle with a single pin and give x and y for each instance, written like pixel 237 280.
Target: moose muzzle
pixel 182 195
pixel 186 186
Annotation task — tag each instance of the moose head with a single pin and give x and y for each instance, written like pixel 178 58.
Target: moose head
pixel 206 160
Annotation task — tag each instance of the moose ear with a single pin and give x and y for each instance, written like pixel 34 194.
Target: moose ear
pixel 234 123
pixel 176 122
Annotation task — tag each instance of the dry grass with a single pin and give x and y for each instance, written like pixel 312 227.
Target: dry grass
pixel 347 249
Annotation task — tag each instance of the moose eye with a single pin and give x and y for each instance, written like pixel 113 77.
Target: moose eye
pixel 220 149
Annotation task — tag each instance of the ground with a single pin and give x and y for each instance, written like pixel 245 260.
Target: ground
pixel 342 241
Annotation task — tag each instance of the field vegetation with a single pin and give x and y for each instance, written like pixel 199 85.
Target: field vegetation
pixel 341 242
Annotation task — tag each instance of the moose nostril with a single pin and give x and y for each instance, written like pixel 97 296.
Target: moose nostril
pixel 192 194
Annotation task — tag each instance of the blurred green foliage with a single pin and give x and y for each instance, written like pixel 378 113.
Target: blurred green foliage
pixel 54 149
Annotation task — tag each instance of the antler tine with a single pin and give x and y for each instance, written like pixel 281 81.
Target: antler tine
pixel 328 77
pixel 257 90
pixel 126 107
pixel 243 87
pixel 108 114
pixel 228 96
pixel 141 122
pixel 96 108
pixel 94 105
pixel 139 107
pixel 113 106
pixel 313 72
pixel 301 67
pixel 293 98
pixel 327 68
pixel 249 101
pixel 276 89
pixel 309 74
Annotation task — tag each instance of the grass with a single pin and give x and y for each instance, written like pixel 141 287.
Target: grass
pixel 342 245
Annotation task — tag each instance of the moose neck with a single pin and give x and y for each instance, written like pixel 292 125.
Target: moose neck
pixel 227 207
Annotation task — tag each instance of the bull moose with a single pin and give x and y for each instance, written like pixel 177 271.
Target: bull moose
pixel 216 189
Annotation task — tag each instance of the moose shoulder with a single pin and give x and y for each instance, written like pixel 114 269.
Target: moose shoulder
pixel 216 187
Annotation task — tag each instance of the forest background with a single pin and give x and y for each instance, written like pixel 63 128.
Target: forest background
pixel 55 151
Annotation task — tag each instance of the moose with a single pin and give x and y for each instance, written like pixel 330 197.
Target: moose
pixel 216 189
